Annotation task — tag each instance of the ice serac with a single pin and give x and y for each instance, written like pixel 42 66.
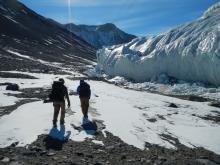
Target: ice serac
pixel 189 52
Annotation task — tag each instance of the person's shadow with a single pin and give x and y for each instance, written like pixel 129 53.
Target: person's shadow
pixel 89 126
pixel 57 138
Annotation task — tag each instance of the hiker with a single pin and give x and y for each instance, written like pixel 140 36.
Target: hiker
pixel 58 94
pixel 84 94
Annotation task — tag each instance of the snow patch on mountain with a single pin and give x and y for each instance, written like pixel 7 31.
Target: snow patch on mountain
pixel 189 52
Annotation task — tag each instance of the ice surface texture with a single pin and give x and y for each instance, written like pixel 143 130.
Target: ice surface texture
pixel 189 52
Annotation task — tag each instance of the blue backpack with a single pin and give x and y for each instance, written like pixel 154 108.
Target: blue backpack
pixel 84 90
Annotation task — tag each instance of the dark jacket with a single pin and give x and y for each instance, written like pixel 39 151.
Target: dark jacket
pixel 83 90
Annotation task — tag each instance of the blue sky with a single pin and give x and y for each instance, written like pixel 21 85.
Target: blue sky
pixel 139 17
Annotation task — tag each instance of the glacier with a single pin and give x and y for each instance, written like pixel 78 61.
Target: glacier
pixel 190 52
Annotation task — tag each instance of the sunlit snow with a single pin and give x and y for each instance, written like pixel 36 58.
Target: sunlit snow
pixel 126 113
pixel 6 100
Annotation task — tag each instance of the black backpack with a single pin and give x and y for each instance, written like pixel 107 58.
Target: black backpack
pixel 58 91
pixel 84 90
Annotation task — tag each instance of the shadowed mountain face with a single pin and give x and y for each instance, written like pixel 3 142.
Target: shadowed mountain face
pixel 24 34
pixel 102 35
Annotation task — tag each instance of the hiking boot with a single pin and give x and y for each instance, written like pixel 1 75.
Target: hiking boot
pixel 54 123
pixel 62 122
pixel 86 116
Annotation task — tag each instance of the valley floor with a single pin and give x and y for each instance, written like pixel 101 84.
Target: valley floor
pixel 133 127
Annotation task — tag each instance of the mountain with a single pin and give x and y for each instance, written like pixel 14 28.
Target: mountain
pixel 29 41
pixel 101 35
pixel 190 52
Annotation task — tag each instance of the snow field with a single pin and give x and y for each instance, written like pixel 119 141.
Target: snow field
pixel 135 117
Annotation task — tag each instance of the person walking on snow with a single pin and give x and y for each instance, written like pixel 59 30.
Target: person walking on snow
pixel 84 92
pixel 58 94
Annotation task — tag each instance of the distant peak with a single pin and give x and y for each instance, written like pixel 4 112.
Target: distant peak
pixel 107 27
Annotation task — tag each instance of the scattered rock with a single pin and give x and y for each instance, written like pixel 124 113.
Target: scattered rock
pixel 143 160
pixel 212 118
pixel 51 154
pixel 131 160
pixel 35 148
pixel 64 157
pixel 89 156
pixel 79 154
pixel 96 95
pixel 14 144
pixel 55 158
pixel 43 153
pixel 214 104
pixel 16 163
pixel 110 147
pixel 123 156
pixel 172 105
pixel 153 120
pixel 148 161
pixel 29 153
pixel 161 117
pixel 197 98
pixel 98 163
pixel 4 84
pixel 5 160
pixel 206 162
pixel 162 158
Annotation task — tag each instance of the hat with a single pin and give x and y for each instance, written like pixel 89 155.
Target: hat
pixel 61 80
pixel 81 81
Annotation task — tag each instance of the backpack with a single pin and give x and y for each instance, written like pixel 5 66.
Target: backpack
pixel 84 90
pixel 58 91
pixel 12 87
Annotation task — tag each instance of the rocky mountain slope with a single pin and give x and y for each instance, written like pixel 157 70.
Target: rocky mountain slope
pixel 28 41
pixel 101 35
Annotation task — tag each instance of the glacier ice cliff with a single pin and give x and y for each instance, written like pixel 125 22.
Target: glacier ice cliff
pixel 189 52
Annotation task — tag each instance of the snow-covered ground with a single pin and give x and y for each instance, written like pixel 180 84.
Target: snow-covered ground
pixel 6 100
pixel 43 80
pixel 189 52
pixel 136 117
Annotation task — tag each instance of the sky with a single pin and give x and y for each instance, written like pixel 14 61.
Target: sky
pixel 138 17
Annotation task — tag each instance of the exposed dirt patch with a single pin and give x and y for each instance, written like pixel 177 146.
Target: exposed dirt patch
pixel 113 152
pixel 215 104
pixel 215 119
pixel 16 75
